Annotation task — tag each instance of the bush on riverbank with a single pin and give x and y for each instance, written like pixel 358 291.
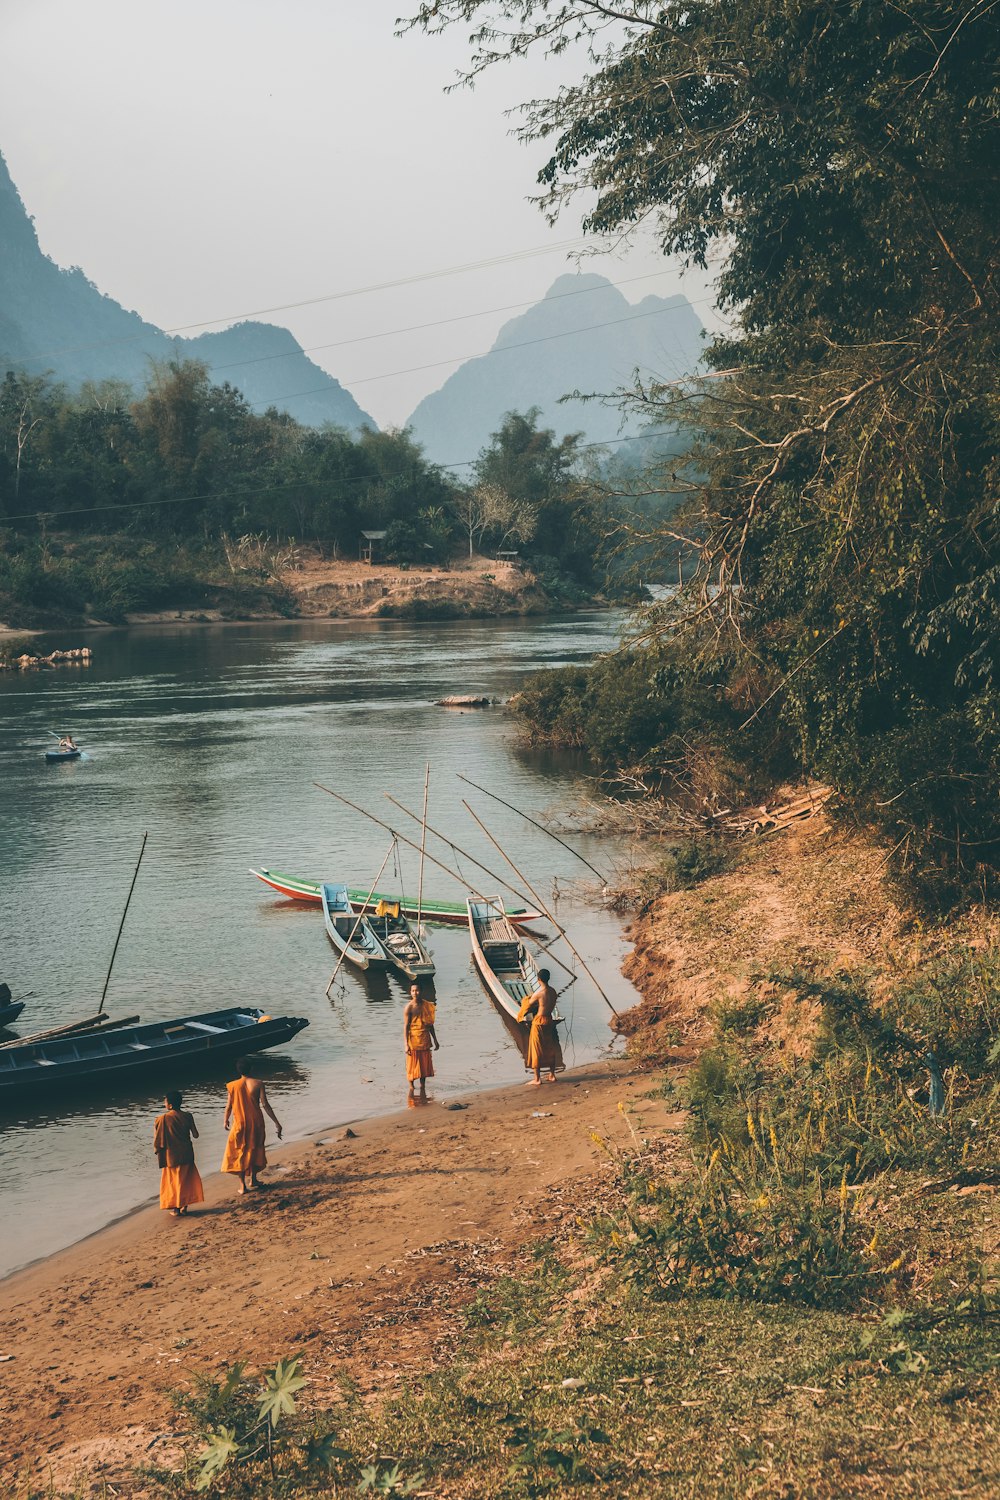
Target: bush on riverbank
pixel 68 580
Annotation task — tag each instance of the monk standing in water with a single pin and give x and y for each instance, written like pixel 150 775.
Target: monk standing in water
pixel 419 1036
pixel 544 1050
pixel 246 1106
pixel 180 1182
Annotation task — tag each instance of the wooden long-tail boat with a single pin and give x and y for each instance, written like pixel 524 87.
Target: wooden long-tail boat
pixel 10 1012
pixel 350 932
pixel 169 1048
pixel 449 913
pixel 506 967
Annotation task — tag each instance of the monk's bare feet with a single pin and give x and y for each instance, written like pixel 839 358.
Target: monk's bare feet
pixel 175 1213
pixel 241 1190
pixel 552 1078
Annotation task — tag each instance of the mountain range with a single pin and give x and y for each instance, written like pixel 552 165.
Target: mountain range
pixel 53 320
pixel 583 337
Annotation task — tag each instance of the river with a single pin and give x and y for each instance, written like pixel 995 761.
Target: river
pixel 210 738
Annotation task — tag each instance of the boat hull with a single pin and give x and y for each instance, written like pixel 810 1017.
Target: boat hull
pixel 54 756
pixel 10 1013
pixel 89 1060
pixel 448 913
pixel 521 975
pixel 349 932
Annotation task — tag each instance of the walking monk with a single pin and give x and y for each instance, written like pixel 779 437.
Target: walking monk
pixel 419 1036
pixel 544 1050
pixel 180 1182
pixel 246 1106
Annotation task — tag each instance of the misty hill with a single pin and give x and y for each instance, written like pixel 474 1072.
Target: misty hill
pixel 56 320
pixel 583 336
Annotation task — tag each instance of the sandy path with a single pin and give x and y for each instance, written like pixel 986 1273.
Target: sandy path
pixel 360 1254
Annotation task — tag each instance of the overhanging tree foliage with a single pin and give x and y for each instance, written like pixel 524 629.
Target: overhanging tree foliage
pixel 839 160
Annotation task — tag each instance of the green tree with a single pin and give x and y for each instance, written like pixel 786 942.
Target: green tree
pixel 831 157
pixel 548 504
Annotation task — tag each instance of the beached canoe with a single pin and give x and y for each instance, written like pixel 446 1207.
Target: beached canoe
pixel 166 1048
pixel 451 913
pixel 504 964
pixel 351 933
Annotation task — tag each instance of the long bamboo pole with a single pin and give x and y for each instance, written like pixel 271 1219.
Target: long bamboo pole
pixel 540 826
pixel 440 864
pixel 121 925
pixel 493 876
pixel 562 930
pixel 423 847
pixel 464 853
pixel 361 914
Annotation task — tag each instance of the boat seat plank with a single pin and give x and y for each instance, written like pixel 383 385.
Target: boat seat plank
pixel 203 1026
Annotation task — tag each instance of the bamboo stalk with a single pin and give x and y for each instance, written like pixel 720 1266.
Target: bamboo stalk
pixel 121 925
pixel 561 930
pixel 361 915
pixel 423 847
pixel 69 1029
pixel 440 864
pixel 540 826
pixel 493 876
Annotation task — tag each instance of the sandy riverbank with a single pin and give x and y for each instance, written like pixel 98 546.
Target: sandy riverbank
pixel 323 588
pixel 360 1253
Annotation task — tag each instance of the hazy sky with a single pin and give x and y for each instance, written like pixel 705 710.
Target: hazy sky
pixel 208 159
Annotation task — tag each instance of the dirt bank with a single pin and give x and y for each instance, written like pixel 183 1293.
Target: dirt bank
pixel 318 588
pixel 814 898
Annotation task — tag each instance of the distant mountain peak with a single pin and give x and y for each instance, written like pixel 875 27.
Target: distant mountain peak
pixel 583 335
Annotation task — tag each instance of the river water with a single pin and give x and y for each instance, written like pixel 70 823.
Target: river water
pixel 210 738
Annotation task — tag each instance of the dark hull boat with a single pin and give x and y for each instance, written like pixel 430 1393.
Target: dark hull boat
pixel 52 756
pixel 168 1047
pixel 10 1013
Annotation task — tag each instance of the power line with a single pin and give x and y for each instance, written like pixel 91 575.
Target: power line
pixel 465 358
pixel 366 338
pixel 361 291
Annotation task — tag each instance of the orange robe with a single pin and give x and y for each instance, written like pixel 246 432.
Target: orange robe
pixel 245 1146
pixel 180 1181
pixel 420 1058
pixel 543 1050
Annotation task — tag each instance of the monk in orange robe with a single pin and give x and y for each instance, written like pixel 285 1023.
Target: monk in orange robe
pixel 419 1036
pixel 246 1105
pixel 543 1049
pixel 180 1182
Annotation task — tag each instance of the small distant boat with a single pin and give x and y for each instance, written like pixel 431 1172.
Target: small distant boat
pixel 352 934
pixel 505 965
pixel 53 756
pixel 9 1013
pixel 94 1057
pixel 450 913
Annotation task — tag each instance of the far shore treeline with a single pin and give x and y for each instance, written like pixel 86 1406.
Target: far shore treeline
pixel 113 501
